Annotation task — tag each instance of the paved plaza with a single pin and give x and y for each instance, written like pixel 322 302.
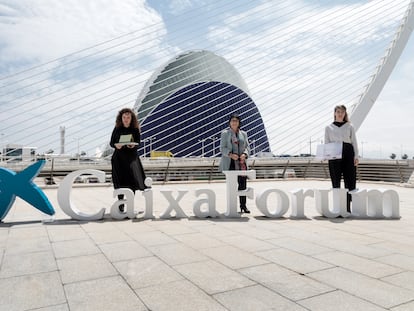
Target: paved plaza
pixel 248 263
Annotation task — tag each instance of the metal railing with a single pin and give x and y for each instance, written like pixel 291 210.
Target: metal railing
pixel 206 169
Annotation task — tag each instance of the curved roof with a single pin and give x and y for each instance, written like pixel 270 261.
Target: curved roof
pixel 186 103
pixel 185 69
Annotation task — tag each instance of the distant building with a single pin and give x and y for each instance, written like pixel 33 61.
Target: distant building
pixel 186 104
pixel 14 152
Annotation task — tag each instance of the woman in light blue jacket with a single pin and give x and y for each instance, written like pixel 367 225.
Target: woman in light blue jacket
pixel 234 147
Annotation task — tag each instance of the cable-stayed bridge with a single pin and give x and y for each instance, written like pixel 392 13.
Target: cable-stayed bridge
pixel 298 60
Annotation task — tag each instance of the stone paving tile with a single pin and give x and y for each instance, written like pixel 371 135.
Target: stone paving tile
pixel 350 246
pixel 4 233
pixel 247 243
pixel 213 277
pixel 31 291
pixel 75 269
pixel 27 233
pixel 233 257
pixel 153 238
pixel 299 246
pixel 390 248
pixel 404 307
pixel 215 230
pixel 257 233
pixel 404 279
pixel 255 298
pixel 375 291
pixel 354 263
pixel 28 245
pixel 62 307
pixel 195 222
pixel 66 233
pixel 126 250
pixel 338 301
pixel 400 237
pixel 356 238
pixel 294 261
pixel 198 240
pixel 398 260
pixel 74 248
pixel 148 271
pixel 178 295
pixel 109 236
pixel 99 226
pixel 15 265
pixel 110 293
pixel 172 228
pixel 177 253
pixel 285 282
pixel 134 226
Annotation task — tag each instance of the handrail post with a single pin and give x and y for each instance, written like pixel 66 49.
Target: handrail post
pixel 166 171
pixel 211 171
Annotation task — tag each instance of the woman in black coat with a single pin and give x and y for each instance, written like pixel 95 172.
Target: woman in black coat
pixel 127 170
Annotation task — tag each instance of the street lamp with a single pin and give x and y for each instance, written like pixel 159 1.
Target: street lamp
pixel 213 138
pixel 150 140
pixel 254 146
pixel 2 147
pixel 202 146
pixel 78 139
pixel 145 146
pixel 310 145
pixel 362 148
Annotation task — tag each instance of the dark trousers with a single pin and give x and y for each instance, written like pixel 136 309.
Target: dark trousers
pixel 344 167
pixel 242 181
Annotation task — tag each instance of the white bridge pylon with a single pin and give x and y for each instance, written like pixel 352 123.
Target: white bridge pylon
pixel 387 63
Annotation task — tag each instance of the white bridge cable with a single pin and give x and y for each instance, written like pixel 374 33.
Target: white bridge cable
pixel 253 99
pixel 95 53
pixel 177 82
pixel 127 49
pixel 155 120
pixel 121 64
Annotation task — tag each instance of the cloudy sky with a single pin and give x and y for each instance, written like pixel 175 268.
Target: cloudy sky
pixel 56 58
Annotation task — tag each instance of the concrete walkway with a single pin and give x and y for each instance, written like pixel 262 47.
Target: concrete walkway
pixel 250 263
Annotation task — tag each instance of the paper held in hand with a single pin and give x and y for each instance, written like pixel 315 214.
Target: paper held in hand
pixel 125 140
pixel 329 151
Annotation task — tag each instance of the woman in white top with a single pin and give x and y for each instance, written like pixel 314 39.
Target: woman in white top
pixel 341 130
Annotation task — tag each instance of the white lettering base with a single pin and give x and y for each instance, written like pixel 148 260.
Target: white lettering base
pixel 331 203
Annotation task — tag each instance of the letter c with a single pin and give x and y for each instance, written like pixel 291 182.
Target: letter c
pixel 63 196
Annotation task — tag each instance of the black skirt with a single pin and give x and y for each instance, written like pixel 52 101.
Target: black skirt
pixel 127 170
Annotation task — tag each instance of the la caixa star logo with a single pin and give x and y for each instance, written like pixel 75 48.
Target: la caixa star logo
pixel 21 184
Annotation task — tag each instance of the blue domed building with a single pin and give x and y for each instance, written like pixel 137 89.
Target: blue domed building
pixel 186 104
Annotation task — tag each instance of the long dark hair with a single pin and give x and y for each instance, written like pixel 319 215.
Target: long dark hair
pixel 134 119
pixel 341 107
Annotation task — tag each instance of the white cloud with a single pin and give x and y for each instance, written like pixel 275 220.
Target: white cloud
pixel 44 30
